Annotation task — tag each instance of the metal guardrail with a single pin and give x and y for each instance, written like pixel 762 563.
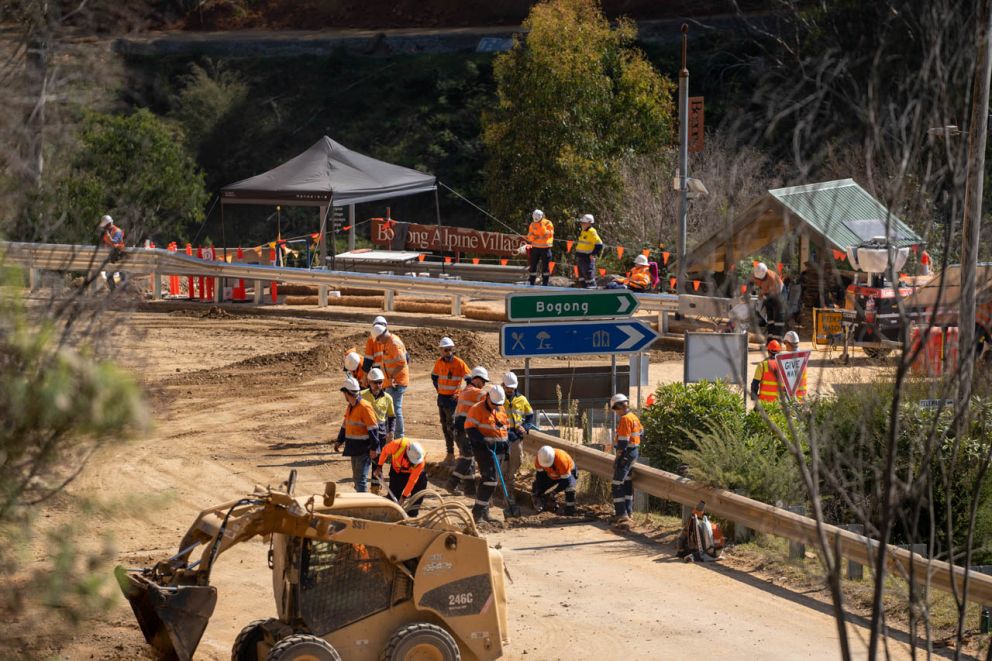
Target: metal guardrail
pixel 773 520
pixel 159 262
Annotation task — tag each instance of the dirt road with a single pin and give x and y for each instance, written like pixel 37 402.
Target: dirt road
pixel 240 401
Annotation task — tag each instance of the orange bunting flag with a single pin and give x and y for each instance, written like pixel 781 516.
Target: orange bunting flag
pixel 903 276
pixel 779 267
pixel 754 263
pixel 671 282
pixel 315 236
pixel 839 255
pixel 551 267
pixel 568 246
pixel 743 289
pixel 646 252
pixel 695 285
pixel 258 250
pixel 575 269
pixel 620 252
pixel 447 260
pixel 421 257
pixel 602 272
pixel 504 261
pixel 664 257
pixel 475 260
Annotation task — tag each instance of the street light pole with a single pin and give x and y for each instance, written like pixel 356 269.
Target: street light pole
pixel 683 162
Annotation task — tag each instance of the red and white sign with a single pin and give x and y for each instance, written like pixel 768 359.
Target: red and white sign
pixel 427 238
pixel 791 368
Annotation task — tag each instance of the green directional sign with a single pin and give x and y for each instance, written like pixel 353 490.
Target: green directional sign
pixel 571 305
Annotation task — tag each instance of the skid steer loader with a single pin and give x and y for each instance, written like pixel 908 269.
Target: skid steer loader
pixel 353 578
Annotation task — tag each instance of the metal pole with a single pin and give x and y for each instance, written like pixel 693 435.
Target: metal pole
pixel 334 243
pixel 322 236
pixel 437 211
pixel 351 227
pixel 527 378
pixel 683 162
pixel 611 417
pixel 640 377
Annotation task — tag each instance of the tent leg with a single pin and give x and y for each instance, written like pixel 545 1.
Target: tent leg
pixel 322 237
pixel 351 227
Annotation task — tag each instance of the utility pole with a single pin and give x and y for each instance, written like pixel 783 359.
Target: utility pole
pixel 972 218
pixel 683 161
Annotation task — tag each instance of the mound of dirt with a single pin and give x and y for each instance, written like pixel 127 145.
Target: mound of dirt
pixel 473 347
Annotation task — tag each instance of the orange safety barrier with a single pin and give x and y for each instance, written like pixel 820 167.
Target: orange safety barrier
pixel 951 344
pixel 238 293
pixel 929 359
pixel 200 280
pixel 273 286
pixel 173 279
pixel 210 254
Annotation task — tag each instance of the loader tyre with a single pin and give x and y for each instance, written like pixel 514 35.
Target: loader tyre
pixel 303 647
pixel 246 644
pixel 421 642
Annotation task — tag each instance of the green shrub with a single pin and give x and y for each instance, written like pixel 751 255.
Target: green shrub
pixel 680 411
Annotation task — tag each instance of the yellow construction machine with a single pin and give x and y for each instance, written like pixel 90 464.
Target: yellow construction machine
pixel 353 577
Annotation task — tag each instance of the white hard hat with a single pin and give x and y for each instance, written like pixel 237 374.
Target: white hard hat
pixel 378 329
pixel 546 456
pixel 351 361
pixel 480 372
pixel 106 220
pixel 510 380
pixel 792 337
pixel 618 399
pixel 641 260
pixel 351 385
pixel 760 270
pixel 375 374
pixel 537 214
pixel 496 394
pixel 587 219
pixel 446 343
pixel 380 320
pixel 415 453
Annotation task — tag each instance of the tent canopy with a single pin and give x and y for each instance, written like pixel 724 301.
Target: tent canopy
pixel 837 214
pixel 328 174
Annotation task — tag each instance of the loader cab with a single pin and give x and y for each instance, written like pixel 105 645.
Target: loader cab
pixel 327 585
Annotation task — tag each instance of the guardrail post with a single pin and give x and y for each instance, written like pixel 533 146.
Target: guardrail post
pixel 218 289
pixel 322 296
pixel 985 612
pixel 257 296
pixel 456 306
pixel 387 301
pixel 855 570
pixel 156 286
pixel 663 321
pixel 797 550
pixel 741 532
pixel 34 279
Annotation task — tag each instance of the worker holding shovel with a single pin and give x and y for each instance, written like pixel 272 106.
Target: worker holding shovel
pixel 382 405
pixel 486 426
pixel 555 471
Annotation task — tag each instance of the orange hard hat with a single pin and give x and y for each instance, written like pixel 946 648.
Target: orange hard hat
pixel 774 346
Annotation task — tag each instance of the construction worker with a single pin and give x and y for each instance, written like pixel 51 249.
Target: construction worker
pixel 394 362
pixel 554 469
pixel 540 237
pixel 406 470
pixel 638 277
pixel 353 365
pixel 486 427
pixel 765 385
pixel 359 434
pixel 449 370
pixel 627 445
pixel 373 350
pixel 112 237
pixel 983 328
pixel 469 396
pixel 587 248
pixel 769 284
pixel 521 420
pixel 382 404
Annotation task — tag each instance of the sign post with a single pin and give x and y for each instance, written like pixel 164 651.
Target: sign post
pixel 792 367
pixel 571 305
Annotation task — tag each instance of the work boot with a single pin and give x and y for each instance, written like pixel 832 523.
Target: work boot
pixel 622 522
pixel 570 510
pixel 449 459
pixel 452 485
pixel 537 504
pixel 551 504
pixel 469 486
pixel 483 515
pixel 544 280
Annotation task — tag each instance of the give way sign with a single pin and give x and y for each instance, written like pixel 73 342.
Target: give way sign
pixel 792 366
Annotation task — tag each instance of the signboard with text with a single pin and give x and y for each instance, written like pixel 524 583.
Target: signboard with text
pixel 792 366
pixel 429 238
pixel 571 305
pixel 575 338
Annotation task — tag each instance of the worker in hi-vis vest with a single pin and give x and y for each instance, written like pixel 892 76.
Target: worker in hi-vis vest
pixel 540 238
pixel 587 248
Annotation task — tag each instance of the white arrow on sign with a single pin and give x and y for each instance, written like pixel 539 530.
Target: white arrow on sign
pixel 633 336
pixel 624 304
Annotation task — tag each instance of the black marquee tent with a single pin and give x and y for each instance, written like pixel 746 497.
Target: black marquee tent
pixel 326 175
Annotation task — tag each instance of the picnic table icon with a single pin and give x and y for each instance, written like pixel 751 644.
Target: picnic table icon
pixel 542 336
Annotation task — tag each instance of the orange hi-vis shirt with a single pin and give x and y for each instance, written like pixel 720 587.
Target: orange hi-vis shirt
pixel 359 420
pixel 766 375
pixel 359 374
pixel 639 277
pixel 395 453
pixel 494 424
pixel 394 362
pixel 629 430
pixel 450 375
pixel 113 237
pixel 373 352
pixel 469 397
pixel 562 466
pixel 541 233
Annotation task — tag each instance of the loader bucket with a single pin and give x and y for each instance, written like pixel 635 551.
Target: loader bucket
pixel 172 619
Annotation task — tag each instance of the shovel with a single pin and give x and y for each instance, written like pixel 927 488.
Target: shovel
pixel 511 506
pixel 172 619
